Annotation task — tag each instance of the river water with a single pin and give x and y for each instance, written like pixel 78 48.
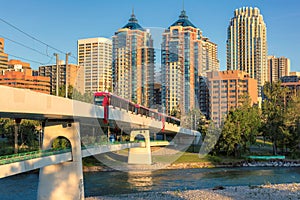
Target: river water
pixel 24 186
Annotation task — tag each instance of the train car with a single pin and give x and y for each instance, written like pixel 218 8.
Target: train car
pixel 103 99
pixel 113 100
pixel 142 110
pixel 99 97
pixel 107 99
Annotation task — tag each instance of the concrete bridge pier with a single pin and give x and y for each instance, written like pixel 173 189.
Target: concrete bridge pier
pixel 64 180
pixel 140 155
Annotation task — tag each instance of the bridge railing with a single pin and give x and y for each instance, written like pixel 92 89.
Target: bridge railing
pixel 86 146
pixel 42 153
pixel 30 155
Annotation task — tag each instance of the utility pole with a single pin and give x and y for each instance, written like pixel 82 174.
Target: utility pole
pixel 67 60
pixel 57 60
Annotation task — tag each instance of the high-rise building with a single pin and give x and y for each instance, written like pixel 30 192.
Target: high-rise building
pixel 294 74
pixel 210 57
pixel 247 44
pixel 3 56
pixel 20 75
pixel 186 55
pixel 17 65
pixel 133 63
pixel 74 76
pixel 204 96
pixel 157 95
pixel 291 82
pixel 95 56
pixel 226 90
pixel 277 68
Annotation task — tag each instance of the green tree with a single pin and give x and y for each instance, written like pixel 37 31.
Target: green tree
pixel 240 128
pixel 176 112
pixel 61 143
pixel 28 134
pixel 230 136
pixel 273 112
pixel 88 97
pixel 73 93
pixel 62 91
pixel 194 120
pixel 210 136
pixel 27 137
pixel 292 125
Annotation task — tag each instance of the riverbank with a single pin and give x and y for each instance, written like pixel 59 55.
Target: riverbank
pixel 188 161
pixel 264 192
pixel 192 165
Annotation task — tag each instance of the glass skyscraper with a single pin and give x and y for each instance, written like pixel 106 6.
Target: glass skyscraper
pixel 133 63
pixel 185 55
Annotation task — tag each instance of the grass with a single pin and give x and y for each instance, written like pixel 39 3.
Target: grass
pixel 262 143
pixel 91 161
pixel 261 147
pixel 191 157
pixel 187 157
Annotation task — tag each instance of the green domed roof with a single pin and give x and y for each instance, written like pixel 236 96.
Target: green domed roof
pixel 183 20
pixel 133 23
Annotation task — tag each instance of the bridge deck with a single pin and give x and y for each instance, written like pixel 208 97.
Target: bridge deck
pixel 26 104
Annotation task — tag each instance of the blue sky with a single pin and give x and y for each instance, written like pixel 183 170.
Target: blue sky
pixel 61 23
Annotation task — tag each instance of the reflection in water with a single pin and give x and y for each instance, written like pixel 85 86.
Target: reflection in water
pixel 24 186
pixel 141 180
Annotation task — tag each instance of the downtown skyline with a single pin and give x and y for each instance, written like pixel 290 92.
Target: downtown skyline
pixel 213 19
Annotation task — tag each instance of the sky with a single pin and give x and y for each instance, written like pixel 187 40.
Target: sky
pixel 60 23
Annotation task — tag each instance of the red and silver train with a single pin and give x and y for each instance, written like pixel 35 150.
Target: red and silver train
pixel 107 99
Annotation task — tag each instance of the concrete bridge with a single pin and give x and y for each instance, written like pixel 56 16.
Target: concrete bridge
pixel 61 175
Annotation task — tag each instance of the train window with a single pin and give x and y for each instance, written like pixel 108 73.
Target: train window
pixel 98 100
pixel 114 101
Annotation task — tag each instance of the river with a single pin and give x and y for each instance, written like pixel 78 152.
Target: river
pixel 24 186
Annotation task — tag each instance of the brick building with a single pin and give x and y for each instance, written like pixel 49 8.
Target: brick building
pixel 25 80
pixel 225 89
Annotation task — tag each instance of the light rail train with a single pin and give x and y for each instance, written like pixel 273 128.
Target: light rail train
pixel 107 99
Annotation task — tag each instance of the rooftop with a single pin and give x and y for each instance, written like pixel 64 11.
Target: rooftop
pixel 183 20
pixel 133 23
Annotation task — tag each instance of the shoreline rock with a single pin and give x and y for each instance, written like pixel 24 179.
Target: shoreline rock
pixel 193 165
pixel 263 192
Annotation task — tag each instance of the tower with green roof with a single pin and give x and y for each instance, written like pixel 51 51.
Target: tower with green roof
pixel 133 63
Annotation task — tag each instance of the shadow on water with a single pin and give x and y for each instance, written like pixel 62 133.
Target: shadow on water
pixel 22 186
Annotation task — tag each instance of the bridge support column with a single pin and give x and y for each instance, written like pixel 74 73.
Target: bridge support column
pixel 64 180
pixel 165 137
pixel 140 155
